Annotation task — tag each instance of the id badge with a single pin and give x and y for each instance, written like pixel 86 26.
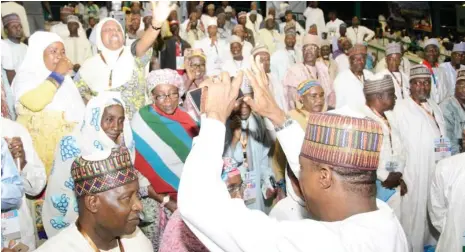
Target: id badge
pixel 180 63
pixel 442 148
pixel 250 191
pixel 392 165
pixel 10 227
pixel 218 63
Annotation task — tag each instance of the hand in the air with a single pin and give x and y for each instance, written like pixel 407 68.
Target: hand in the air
pixel 160 12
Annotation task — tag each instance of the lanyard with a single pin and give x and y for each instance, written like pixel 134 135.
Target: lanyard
pixel 431 114
pixel 244 140
pixel 91 243
pixel 111 71
pixel 430 68
pixel 310 72
pixel 401 83
pixel 389 127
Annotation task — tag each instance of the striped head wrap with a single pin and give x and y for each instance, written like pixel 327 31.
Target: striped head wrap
pixel 10 19
pixel 393 48
pixel 96 176
pixel 357 49
pixel 165 76
pixel 461 75
pixel 419 71
pixel 304 87
pixel 343 141
pixel 260 49
pixel 378 84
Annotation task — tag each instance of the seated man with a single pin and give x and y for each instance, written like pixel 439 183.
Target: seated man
pixel 106 186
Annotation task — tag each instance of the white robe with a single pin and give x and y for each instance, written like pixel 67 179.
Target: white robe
pixel 440 88
pixel 12 54
pixel 78 49
pixel 271 39
pixel 418 132
pixel 283 59
pixel 247 230
pixel 315 16
pixel 70 240
pixel 447 205
pixel 342 62
pixel 349 89
pixel 357 35
pixel 63 31
pixel 33 178
pixel 451 76
pixel 404 66
pixel 215 54
pixel 333 28
pixel 401 83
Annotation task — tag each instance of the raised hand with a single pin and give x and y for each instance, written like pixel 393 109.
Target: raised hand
pixel 263 101
pixel 160 12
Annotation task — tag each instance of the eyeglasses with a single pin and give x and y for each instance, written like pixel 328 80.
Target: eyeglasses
pixel 238 188
pixel 423 83
pixel 193 66
pixel 164 96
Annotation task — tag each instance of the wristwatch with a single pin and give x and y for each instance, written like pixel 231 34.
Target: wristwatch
pixel 286 123
pixel 166 199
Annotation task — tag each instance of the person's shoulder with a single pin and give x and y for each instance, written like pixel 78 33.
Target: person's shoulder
pixel 137 240
pixel 66 240
pixel 17 128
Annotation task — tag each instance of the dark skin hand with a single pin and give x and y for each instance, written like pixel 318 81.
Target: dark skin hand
pixel 393 180
pixel 171 205
pixel 15 145
pixel 403 188
pixel 76 67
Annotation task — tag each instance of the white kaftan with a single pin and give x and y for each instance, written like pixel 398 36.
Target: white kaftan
pixel 32 176
pixel 12 54
pixel 451 76
pixel 349 88
pixel 247 230
pixel 447 204
pixel 315 16
pixel 63 31
pixel 215 54
pixel 418 130
pixel 401 83
pixel 360 34
pixel 283 59
pixel 78 49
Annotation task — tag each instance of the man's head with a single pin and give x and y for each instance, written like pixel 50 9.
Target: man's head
pixel 236 46
pixel 244 111
pixel 212 27
pixel 343 29
pixel 135 22
pixel 355 21
pixel 224 4
pixel 165 87
pixel 313 4
pixel 393 56
pixel 92 22
pixel 253 16
pixel 313 29
pixel 193 20
pixel 73 24
pixel 12 25
pixel 311 47
pixel 135 7
pixel 173 15
pixel 242 18
pixel 344 44
pixel 457 54
pixel 460 86
pixel 357 58
pixel 211 10
pixel 147 20
pixel 333 170
pixel 272 12
pixel 253 6
pixel 229 14
pixel 269 23
pixel 420 83
pixel 290 38
pixel 262 52
pixel 325 51
pixel 197 64
pixel 332 15
pixel 288 15
pixel 221 19
pixel 174 27
pixel 311 95
pixel 432 51
pixel 108 204
pixel 238 30
pixel 380 93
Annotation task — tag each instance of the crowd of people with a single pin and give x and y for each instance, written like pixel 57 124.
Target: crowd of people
pixel 222 131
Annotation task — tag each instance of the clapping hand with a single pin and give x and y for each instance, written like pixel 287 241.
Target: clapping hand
pixel 160 12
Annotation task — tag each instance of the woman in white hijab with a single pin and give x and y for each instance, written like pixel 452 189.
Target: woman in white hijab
pixel 121 68
pixel 47 102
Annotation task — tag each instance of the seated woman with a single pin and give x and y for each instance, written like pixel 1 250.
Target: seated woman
pixel 104 127
pixel 47 101
pixel 118 67
pixel 163 134
pixel 177 236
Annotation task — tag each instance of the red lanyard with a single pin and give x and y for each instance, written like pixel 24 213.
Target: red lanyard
pixel 401 83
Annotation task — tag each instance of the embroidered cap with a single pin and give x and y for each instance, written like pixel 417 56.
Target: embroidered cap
pixel 343 141
pixel 242 14
pixel 165 76
pixel 228 9
pixel 310 39
pixel 10 19
pixel 419 71
pixel 72 18
pixel 260 49
pixel 461 75
pixel 378 84
pixel 357 49
pixel 304 87
pixel 393 48
pixel 211 7
pixel 91 177
pixel 460 47
pixel 235 39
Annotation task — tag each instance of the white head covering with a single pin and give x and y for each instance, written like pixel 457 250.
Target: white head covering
pixel 432 41
pixel 212 22
pixel 72 18
pixel 96 73
pixel 235 39
pixel 460 47
pixel 33 72
pixel 228 9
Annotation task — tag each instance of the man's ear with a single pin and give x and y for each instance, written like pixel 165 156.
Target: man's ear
pixel 325 177
pixel 91 203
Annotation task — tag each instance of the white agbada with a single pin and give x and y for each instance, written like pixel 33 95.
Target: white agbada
pixel 284 59
pixel 440 88
pixel 234 66
pixel 71 240
pixel 349 88
pixel 33 178
pixel 357 35
pixel 404 65
pixel 332 27
pixel 270 38
pixel 315 16
pixel 63 31
pixel 447 205
pixel 401 83
pixel 215 54
pixel 418 131
pixel 342 62
pixel 451 76
pixel 248 230
pixel 277 89
pixel 33 73
pixel 12 54
pixel 78 49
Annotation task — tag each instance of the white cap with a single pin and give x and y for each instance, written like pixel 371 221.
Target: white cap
pixel 432 41
pixel 459 47
pixel 235 39
pixel 228 9
pixel 212 22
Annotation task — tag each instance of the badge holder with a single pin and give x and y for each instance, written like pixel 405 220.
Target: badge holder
pixel 442 148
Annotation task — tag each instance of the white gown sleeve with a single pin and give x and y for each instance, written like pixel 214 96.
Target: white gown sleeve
pixel 437 206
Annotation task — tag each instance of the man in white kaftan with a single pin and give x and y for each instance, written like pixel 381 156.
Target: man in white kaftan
pixel 62 28
pixel 247 47
pixel 286 57
pixel 420 123
pixel 393 62
pixel 358 33
pixel 447 205
pixel 451 68
pixel 377 230
pixel 348 84
pixel 33 178
pixel 13 50
pixel 314 15
pixel 269 36
pixel 332 27
pixel 440 88
pixel 77 48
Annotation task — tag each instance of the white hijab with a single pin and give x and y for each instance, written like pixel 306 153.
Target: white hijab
pixel 96 73
pixel 33 72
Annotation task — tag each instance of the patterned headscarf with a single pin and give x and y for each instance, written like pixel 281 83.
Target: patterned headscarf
pixel 304 87
pixel 165 76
